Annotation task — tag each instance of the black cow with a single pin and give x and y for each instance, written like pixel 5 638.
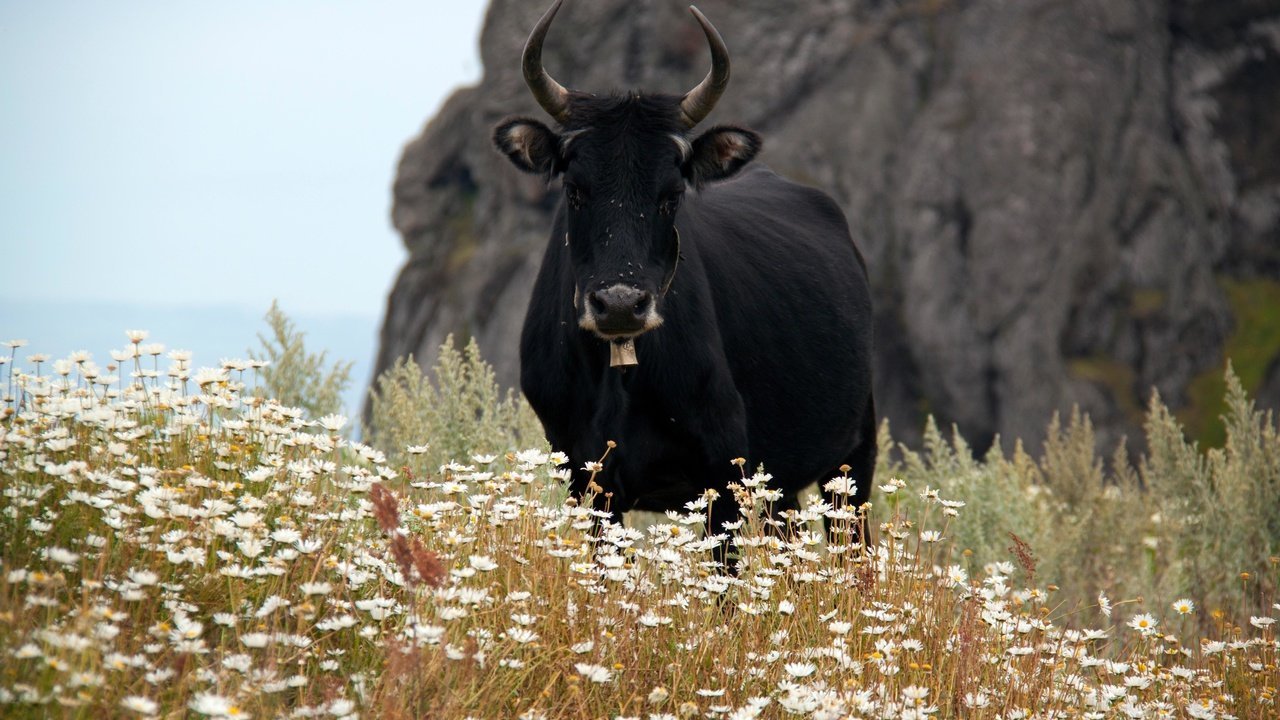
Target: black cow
pixel 692 328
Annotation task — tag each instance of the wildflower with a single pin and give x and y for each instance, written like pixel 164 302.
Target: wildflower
pixel 650 619
pixel 583 648
pixel 251 547
pixel 956 575
pixel 61 556
pixel 1184 606
pixel 159 677
pixel 1202 710
pixel 1104 604
pixel 800 669
pixel 786 607
pixel 1262 623
pixel 1143 623
pixel 288 536
pixel 139 704
pixel 328 624
pixel 29 650
pixel 341 707
pixel 246 520
pixel 332 422
pixel 184 628
pixel 136 336
pixel 238 662
pixel 1138 682
pixel 270 605
pixel 707 692
pixel 483 563
pixel 594 673
pixel 915 694
pixel 255 640
pixel 451 613
pixel 840 486
pixel 840 627
pixel 658 695
pixel 532 457
pixel 210 376
pixel 769 495
pixel 211 704
pixel 315 588
pixel 521 635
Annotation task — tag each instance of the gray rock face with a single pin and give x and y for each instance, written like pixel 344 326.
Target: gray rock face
pixel 1052 196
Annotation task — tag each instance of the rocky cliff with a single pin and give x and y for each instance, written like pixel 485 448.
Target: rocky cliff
pixel 1061 202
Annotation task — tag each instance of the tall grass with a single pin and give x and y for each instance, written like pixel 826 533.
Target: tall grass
pixel 178 542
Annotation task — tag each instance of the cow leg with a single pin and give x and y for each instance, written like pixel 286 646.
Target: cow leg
pixel 862 468
pixel 723 511
pixel 719 473
pixel 720 424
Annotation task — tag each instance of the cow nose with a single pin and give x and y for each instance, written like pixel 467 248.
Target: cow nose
pixel 620 308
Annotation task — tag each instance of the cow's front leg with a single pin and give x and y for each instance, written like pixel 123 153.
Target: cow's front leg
pixel 725 453
pixel 723 519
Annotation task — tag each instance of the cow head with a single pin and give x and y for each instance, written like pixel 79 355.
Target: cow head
pixel 625 162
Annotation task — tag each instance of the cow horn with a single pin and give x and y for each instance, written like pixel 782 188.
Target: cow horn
pixel 699 102
pixel 550 94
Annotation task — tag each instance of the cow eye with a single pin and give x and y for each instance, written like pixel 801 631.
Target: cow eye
pixel 575 196
pixel 670 203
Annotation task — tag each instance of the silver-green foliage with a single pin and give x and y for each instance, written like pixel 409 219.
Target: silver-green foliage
pixel 294 376
pixel 1183 522
pixel 458 411
pixel 1221 507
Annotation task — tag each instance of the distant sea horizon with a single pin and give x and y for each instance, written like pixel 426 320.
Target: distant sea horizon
pixel 211 332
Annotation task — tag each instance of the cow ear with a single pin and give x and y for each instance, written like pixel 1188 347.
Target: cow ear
pixel 720 153
pixel 528 144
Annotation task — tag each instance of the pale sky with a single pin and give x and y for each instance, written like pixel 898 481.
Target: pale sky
pixel 215 153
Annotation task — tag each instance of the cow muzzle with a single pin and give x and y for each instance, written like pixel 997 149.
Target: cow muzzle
pixel 620 311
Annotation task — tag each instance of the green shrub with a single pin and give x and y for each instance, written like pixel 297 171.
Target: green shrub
pixel 295 377
pixel 458 411
pixel 1219 508
pixel 1183 522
